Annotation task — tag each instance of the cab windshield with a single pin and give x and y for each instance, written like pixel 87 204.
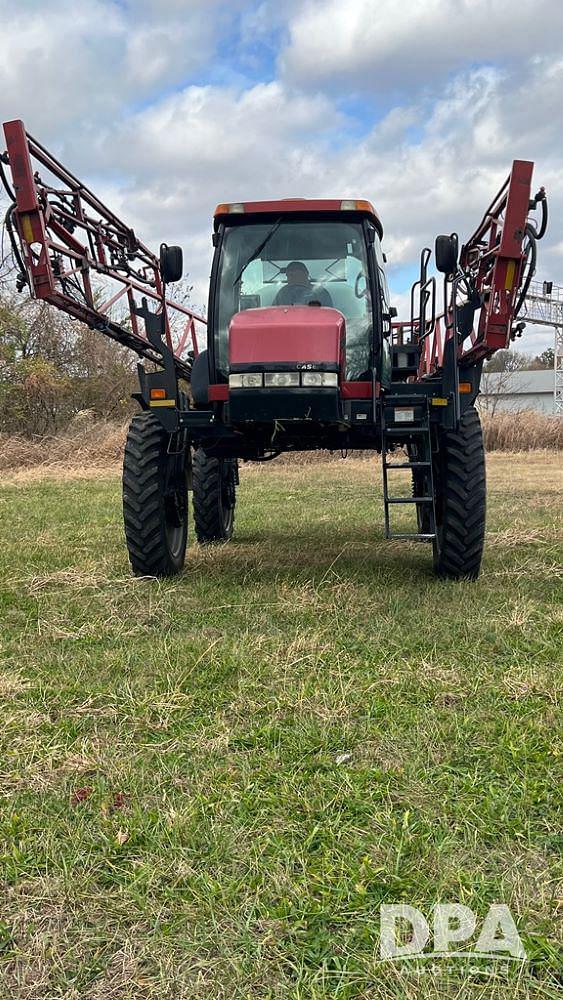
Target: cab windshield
pixel 297 262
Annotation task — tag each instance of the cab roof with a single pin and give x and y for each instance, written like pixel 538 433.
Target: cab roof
pixel 294 206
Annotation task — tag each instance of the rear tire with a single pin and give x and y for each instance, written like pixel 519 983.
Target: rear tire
pixel 155 500
pixel 214 497
pixel 459 482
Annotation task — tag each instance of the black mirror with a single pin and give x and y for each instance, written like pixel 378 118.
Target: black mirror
pixel 171 263
pixel 446 252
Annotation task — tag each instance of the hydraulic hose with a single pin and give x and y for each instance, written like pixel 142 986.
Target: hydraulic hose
pixel 530 260
pixel 4 179
pixel 540 198
pixel 14 244
pixel 531 254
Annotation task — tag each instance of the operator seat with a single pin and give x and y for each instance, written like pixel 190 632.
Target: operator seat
pixel 302 295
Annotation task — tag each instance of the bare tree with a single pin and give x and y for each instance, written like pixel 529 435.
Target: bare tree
pixel 496 386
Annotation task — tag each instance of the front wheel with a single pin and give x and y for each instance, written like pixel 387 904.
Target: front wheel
pixel 460 500
pixel 155 499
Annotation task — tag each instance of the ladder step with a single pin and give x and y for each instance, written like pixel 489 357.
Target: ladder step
pixel 416 537
pixel 400 398
pixel 409 500
pixel 391 432
pixel 408 465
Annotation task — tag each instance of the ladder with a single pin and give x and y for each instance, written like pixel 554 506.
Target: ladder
pixel 396 433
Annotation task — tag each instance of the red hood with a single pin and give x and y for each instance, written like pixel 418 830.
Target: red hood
pixel 285 334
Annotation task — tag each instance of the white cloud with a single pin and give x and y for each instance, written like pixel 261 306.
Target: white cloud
pixel 67 65
pixel 47 72
pixel 378 42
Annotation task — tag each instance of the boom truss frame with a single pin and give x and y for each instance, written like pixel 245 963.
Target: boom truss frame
pixel 79 256
pixel 488 281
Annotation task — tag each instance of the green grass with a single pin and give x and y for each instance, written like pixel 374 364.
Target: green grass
pixel 209 785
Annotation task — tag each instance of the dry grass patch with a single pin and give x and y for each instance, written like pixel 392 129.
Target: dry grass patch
pixel 526 430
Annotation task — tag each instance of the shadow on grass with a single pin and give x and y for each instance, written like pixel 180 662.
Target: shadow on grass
pixel 355 553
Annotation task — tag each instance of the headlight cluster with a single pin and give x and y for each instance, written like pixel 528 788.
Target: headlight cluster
pixel 283 380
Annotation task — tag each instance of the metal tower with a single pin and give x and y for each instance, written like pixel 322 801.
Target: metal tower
pixel 544 305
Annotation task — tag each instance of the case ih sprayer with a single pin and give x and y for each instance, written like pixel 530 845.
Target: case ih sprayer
pixel 301 348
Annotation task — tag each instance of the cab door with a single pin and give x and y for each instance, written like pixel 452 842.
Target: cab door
pixel 384 313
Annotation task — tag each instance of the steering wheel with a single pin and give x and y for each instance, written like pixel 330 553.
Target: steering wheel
pixel 360 294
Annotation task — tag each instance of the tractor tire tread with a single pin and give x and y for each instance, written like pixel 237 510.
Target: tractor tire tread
pixel 464 501
pixel 147 545
pixel 210 522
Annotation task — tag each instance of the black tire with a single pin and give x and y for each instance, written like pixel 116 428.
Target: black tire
pixel 459 482
pixel 214 497
pixel 155 499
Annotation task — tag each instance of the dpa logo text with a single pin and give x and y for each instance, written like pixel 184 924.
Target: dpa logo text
pixel 405 933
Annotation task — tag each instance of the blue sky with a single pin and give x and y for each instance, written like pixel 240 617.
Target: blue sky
pixel 170 107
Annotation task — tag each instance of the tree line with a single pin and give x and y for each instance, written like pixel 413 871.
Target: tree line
pixel 52 367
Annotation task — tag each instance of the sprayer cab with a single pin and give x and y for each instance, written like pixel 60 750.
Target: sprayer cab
pixel 298 306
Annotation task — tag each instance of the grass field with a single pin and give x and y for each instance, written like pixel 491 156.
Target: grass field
pixel 209 785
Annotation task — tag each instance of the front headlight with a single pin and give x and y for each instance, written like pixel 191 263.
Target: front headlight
pixel 251 380
pixel 281 379
pixel 319 378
